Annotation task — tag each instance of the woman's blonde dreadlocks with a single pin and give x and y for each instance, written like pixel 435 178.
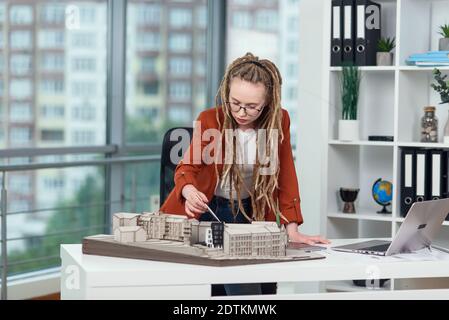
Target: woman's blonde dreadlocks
pixel 250 68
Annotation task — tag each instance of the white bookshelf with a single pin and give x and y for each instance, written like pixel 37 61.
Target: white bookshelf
pixel 391 103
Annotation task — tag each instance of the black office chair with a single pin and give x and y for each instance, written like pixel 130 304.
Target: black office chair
pixel 167 182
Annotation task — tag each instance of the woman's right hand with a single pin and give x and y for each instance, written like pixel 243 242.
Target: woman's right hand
pixel 196 201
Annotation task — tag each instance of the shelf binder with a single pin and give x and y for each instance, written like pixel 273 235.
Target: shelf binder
pixel 348 31
pixel 408 179
pixel 421 175
pixel 438 174
pixel 336 32
pixel 368 22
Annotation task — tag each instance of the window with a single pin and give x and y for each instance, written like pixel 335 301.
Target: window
pixel 2 13
pixel 51 39
pixel 87 15
pixel 83 40
pixel 267 20
pixel 180 18
pixel 20 183
pixel 83 64
pixel 20 136
pixel 85 88
pixel 20 112
pixel 148 41
pixel 52 135
pixel 201 43
pixel 52 112
pixel 254 24
pixel 148 14
pixel 1 88
pixel 148 65
pixel 149 87
pixel 20 39
pixel 52 86
pixel 180 66
pixel 85 112
pixel 179 42
pixel 53 183
pixel 53 13
pixel 20 14
pixel 242 20
pixel 2 63
pixel 20 89
pixel 177 52
pixel 178 114
pixel 180 91
pixel 83 137
pixel 52 62
pixel 20 64
pixel 201 17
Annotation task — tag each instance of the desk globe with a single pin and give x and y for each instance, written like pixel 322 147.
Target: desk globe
pixel 382 193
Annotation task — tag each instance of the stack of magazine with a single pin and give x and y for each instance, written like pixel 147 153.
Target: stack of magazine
pixel 429 59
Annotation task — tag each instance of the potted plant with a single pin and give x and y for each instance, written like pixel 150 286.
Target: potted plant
pixel 443 44
pixel 348 126
pixel 384 55
pixel 442 87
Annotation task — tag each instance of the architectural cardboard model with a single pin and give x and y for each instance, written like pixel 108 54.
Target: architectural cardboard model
pixel 175 238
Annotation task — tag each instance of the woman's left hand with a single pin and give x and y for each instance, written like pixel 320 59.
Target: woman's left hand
pixel 295 236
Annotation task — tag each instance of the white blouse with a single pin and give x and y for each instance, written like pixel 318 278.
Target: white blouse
pixel 246 155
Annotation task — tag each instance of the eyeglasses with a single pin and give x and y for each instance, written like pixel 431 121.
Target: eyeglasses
pixel 251 111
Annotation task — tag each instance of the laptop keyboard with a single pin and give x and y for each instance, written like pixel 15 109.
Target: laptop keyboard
pixel 379 248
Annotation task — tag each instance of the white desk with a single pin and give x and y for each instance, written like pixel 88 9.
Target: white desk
pixel 97 277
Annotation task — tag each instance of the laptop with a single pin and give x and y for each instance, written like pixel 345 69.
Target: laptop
pixel 423 221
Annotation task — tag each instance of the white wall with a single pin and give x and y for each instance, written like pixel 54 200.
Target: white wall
pixel 310 148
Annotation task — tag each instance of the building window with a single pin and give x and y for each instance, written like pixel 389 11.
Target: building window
pixel 148 65
pixel 293 46
pixel 242 20
pixel 20 40
pixel 292 70
pixel 267 20
pixel 53 13
pixel 52 135
pixel 52 86
pixel 20 14
pixel 83 137
pixel 83 40
pixel 180 90
pixel 20 112
pixel 52 111
pixel 86 88
pixel 20 64
pixel 52 62
pixel 87 15
pixel 20 183
pixel 179 114
pixel 83 64
pixel 2 12
pixel 180 18
pixel 2 63
pixel 20 89
pixel 148 41
pixel 20 136
pixel 180 66
pixel 84 112
pixel 149 113
pixel 148 14
pixel 293 23
pixel 201 17
pixel 1 89
pixel 51 39
pixel 18 205
pixel 179 42
pixel 200 67
pixel 291 93
pixel 149 87
pixel 53 183
pixel 201 43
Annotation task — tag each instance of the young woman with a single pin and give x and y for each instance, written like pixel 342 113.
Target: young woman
pixel 248 101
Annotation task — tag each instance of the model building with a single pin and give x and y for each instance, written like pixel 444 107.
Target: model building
pixel 258 239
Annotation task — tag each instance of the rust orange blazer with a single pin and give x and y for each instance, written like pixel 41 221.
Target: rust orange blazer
pixel 203 175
